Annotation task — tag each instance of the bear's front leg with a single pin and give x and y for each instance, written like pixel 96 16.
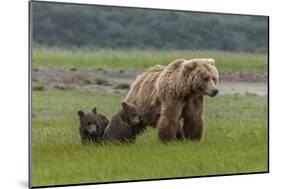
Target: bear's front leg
pixel 180 131
pixel 168 122
pixel 193 121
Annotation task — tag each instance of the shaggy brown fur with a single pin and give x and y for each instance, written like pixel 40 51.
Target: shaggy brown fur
pixel 125 125
pixel 165 95
pixel 92 126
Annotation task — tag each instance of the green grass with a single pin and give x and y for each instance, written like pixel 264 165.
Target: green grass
pixel 142 59
pixel 235 142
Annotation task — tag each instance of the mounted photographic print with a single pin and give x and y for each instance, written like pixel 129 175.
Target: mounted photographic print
pixel 121 94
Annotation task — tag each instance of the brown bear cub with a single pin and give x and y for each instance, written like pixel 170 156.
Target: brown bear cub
pixel 125 125
pixel 92 126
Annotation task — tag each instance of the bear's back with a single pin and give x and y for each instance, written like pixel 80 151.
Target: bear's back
pixel 143 94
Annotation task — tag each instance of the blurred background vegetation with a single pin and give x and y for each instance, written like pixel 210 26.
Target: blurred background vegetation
pixel 72 26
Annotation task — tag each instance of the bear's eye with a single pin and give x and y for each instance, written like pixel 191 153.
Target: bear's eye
pixel 206 78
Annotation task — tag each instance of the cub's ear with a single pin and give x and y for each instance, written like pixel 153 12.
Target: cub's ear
pixel 211 61
pixel 94 110
pixel 189 64
pixel 80 113
pixel 125 106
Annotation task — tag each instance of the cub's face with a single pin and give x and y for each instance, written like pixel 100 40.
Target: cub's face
pixel 88 122
pixel 134 118
pixel 131 113
pixel 203 76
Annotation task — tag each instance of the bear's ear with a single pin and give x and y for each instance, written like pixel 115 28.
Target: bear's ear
pixel 94 110
pixel 189 64
pixel 80 113
pixel 211 61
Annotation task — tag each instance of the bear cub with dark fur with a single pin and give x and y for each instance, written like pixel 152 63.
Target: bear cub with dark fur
pixel 92 125
pixel 125 125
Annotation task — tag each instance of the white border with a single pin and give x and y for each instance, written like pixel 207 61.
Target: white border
pixel 14 93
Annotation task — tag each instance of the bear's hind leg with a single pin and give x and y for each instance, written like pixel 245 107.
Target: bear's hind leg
pixel 180 131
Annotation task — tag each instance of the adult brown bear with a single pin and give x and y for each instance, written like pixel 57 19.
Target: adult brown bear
pixel 167 96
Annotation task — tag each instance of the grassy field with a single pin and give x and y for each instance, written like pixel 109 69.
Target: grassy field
pixel 138 59
pixel 235 137
pixel 235 141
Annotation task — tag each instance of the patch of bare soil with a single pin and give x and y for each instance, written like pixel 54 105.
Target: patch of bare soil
pixel 244 88
pixel 244 77
pixel 119 81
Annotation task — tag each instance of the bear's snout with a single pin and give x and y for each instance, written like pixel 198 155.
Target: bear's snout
pixel 92 129
pixel 214 93
pixel 135 121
